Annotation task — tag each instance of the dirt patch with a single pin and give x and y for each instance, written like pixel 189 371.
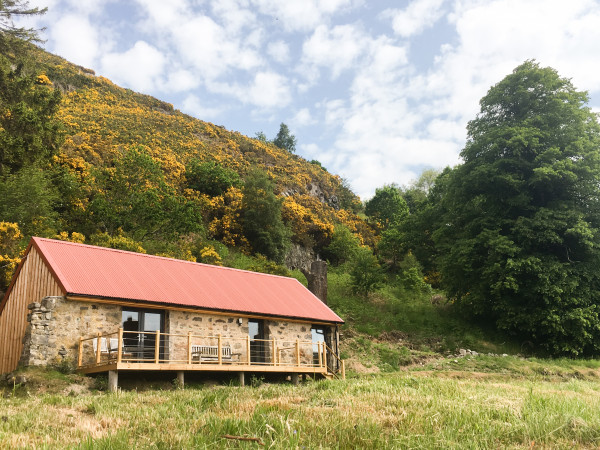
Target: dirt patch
pixel 358 367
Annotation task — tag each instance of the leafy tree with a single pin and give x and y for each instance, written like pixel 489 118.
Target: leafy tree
pixel 343 246
pixel 415 195
pixel 366 274
pixel 29 131
pixel 411 275
pixel 263 226
pixel 285 139
pixel 387 206
pixel 11 35
pixel 262 137
pixel 520 238
pixel 28 198
pixel 210 177
pixel 133 195
pixel 10 252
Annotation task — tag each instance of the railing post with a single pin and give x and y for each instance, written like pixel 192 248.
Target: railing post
pixel 248 349
pixel 343 370
pixel 274 353
pixel 319 354
pixel 80 354
pixel 120 346
pixel 219 346
pixel 98 349
pixel 189 348
pixel 298 352
pixel 157 347
pixel 324 355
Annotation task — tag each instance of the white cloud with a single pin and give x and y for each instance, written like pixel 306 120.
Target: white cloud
pixel 302 15
pixel 140 67
pixel 303 118
pixel 269 90
pixel 337 49
pixel 279 51
pixel 76 39
pixel 194 106
pixel 416 17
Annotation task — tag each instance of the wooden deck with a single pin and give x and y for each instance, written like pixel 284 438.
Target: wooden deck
pixel 181 353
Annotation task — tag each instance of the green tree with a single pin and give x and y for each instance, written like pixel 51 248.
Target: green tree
pixel 285 139
pixel 520 238
pixel 262 137
pixel 262 223
pixel 210 177
pixel 366 274
pixel 134 195
pixel 415 194
pixel 343 246
pixel 387 206
pixel 29 131
pixel 28 198
pixel 10 34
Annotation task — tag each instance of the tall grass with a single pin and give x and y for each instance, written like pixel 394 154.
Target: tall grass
pixel 395 410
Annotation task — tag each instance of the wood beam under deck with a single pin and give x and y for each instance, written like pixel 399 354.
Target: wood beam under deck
pixel 171 367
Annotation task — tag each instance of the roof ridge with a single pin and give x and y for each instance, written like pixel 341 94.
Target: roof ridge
pixel 166 258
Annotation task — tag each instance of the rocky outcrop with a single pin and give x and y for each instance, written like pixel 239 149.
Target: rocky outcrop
pixel 317 279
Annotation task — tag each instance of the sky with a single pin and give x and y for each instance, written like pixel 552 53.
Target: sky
pixel 377 91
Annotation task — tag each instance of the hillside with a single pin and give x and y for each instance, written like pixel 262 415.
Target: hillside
pixel 115 144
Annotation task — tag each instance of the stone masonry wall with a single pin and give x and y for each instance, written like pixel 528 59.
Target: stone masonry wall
pixel 56 324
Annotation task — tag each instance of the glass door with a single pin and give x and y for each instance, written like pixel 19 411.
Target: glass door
pixel 256 331
pixel 139 333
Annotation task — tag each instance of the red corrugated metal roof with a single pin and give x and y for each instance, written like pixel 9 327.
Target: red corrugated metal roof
pixel 103 272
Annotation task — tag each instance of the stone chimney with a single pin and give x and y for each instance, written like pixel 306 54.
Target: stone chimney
pixel 317 279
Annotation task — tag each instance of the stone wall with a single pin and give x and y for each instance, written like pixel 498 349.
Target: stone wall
pixel 56 324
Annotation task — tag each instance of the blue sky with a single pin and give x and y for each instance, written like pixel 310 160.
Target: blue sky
pixel 375 90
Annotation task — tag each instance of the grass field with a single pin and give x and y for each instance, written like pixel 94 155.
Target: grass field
pixel 469 402
pixel 408 387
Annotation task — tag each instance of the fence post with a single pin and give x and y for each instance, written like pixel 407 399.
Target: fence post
pixel 98 343
pixel 219 346
pixel 248 349
pixel 157 347
pixel 189 348
pixel 120 346
pixel 80 354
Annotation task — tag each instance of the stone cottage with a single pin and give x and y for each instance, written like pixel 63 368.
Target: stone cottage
pixel 108 310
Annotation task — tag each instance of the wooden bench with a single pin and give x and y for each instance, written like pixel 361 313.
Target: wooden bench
pixel 210 353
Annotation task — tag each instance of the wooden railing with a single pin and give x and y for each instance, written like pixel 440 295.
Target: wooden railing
pixel 172 348
pixel 340 370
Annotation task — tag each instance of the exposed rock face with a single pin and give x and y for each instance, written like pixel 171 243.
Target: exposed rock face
pixel 299 257
pixel 317 279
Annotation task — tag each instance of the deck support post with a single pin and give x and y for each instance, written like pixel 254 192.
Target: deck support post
pixel 80 353
pixel 295 379
pixel 303 377
pixel 113 381
pixel 180 379
pixel 242 378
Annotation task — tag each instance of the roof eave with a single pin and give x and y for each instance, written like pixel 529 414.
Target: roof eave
pixel 169 305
